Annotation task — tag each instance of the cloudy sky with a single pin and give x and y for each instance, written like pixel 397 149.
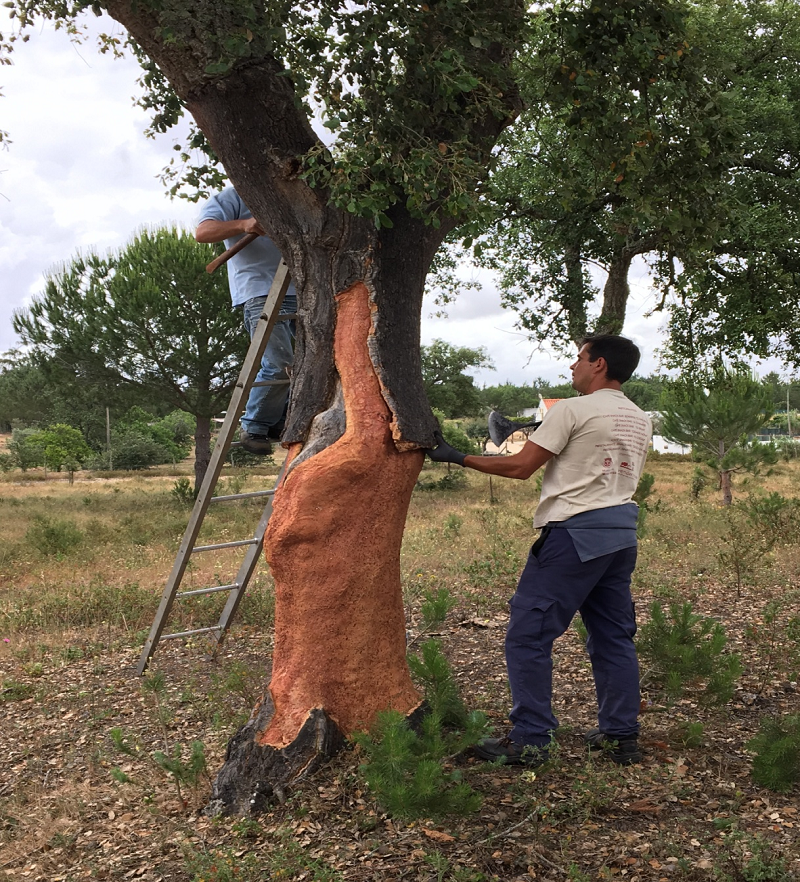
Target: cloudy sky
pixel 80 174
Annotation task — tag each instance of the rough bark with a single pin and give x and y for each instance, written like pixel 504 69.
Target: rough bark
pixel 615 294
pixel 202 449
pixel 726 486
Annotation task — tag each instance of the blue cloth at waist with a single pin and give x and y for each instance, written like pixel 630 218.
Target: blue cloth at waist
pixel 602 531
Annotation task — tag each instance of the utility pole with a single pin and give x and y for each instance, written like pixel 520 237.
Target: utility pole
pixel 788 418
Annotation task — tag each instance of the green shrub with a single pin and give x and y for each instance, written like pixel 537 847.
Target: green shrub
pixel 699 481
pixel 777 747
pixel 183 491
pixel 53 535
pixel 775 516
pixel 436 604
pixel 25 448
pixel 404 768
pixel 455 479
pixel 133 449
pixel 688 649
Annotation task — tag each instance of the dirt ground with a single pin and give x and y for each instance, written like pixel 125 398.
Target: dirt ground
pixel 81 796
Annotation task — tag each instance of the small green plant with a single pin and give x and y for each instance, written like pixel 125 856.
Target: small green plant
pixel 699 482
pixel 501 564
pixel 774 516
pixel 742 560
pixel 285 860
pixel 687 649
pixel 189 772
pixel 234 485
pixel 407 769
pixel 777 638
pixel 747 858
pixel 776 764
pixel 452 526
pixel 640 497
pixel 690 734
pixel 436 604
pixel 14 691
pixel 183 491
pixel 53 535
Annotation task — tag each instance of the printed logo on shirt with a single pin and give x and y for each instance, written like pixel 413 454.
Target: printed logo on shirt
pixel 628 466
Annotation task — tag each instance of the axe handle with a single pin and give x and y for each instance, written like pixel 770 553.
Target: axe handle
pixel 234 249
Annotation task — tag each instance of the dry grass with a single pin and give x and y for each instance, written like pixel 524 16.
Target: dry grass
pixel 72 623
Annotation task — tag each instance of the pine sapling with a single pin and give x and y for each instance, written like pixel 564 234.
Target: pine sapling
pixel 776 764
pixel 688 649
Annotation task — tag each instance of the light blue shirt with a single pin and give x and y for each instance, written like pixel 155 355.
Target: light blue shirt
pixel 252 270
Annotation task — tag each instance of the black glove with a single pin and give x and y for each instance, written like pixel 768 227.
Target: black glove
pixel 443 452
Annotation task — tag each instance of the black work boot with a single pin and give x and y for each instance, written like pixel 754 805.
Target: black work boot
pixel 258 444
pixel 512 753
pixel 623 751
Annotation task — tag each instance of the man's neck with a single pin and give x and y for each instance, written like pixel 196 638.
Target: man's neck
pixel 613 385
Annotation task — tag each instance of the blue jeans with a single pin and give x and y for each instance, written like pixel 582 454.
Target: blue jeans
pixel 554 586
pixel 266 406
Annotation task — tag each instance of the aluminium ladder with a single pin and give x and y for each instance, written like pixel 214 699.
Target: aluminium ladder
pixel 205 497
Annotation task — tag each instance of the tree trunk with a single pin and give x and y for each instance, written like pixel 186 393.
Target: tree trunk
pixel 358 415
pixel 615 294
pixel 333 546
pixel 202 449
pixel 726 486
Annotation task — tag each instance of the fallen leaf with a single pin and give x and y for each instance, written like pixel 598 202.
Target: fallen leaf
pixel 438 835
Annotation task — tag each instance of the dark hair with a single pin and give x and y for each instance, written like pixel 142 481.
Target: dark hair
pixel 620 353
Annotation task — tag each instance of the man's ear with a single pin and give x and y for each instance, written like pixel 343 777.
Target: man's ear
pixel 601 366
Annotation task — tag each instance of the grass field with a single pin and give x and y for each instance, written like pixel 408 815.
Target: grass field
pixel 83 794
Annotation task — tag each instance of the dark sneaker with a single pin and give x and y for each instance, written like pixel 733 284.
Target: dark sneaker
pixel 258 444
pixel 512 753
pixel 623 751
pixel 276 431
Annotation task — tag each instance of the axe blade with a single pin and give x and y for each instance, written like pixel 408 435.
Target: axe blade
pixel 501 427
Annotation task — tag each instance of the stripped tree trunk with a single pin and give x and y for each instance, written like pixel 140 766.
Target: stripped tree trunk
pixel 333 545
pixel 358 417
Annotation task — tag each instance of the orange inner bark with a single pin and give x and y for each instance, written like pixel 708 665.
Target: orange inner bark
pixel 333 545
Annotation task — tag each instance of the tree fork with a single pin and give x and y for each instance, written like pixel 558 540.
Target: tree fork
pixel 334 551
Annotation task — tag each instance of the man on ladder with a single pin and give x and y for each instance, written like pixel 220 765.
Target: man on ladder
pixel 250 273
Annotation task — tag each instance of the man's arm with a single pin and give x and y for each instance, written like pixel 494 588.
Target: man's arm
pixel 211 231
pixel 519 465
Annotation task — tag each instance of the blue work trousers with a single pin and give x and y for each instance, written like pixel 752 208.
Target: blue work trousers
pixel 266 405
pixel 554 585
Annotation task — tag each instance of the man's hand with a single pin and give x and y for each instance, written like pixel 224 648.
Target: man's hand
pixel 212 231
pixel 443 452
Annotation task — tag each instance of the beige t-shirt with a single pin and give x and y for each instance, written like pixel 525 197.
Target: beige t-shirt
pixel 600 441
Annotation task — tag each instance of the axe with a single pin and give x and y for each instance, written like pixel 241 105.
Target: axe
pixel 234 249
pixel 501 428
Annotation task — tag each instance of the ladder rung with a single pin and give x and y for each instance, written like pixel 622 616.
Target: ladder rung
pixel 226 545
pixel 208 590
pixel 270 383
pixel 284 316
pixel 242 495
pixel 189 633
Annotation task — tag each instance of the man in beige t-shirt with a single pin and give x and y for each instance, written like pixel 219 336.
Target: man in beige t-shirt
pixel 594 448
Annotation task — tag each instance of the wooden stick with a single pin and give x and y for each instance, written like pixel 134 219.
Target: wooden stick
pixel 234 249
